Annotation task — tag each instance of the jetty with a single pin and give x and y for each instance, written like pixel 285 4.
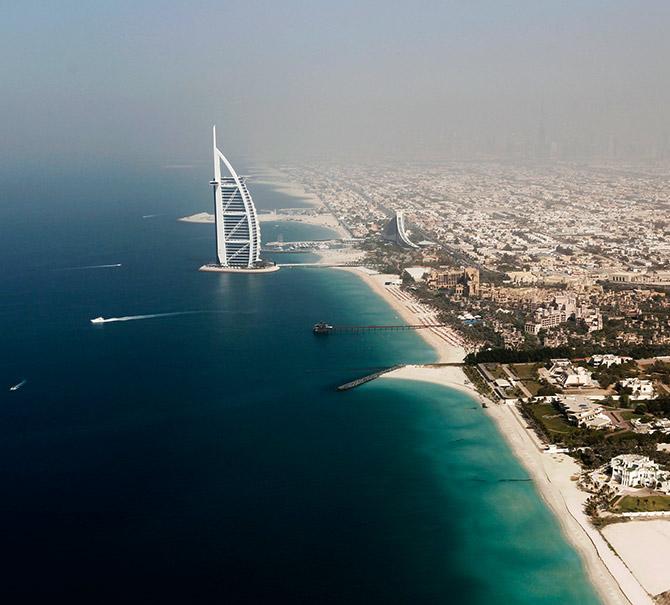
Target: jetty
pixel 359 381
pixel 324 328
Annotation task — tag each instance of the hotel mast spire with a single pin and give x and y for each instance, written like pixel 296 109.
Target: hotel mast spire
pixel 238 235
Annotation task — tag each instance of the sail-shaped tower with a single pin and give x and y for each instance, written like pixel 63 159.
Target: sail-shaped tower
pixel 238 234
pixel 395 232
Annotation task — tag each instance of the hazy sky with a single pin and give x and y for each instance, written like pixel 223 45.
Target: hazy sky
pixel 284 79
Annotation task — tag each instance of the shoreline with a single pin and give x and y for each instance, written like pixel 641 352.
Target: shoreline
pixel 281 182
pixel 552 474
pixel 322 219
pixel 444 341
pixel 552 477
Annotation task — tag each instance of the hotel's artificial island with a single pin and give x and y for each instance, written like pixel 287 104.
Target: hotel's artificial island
pixel 238 233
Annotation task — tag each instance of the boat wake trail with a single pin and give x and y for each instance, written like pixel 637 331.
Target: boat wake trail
pixel 16 387
pixel 113 266
pixel 103 320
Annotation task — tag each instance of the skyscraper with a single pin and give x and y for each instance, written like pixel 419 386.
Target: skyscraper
pixel 238 234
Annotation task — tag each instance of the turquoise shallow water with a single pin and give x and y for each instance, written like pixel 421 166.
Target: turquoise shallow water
pixel 492 537
pixel 207 457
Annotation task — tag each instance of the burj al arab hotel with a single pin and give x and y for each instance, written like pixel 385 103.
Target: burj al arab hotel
pixel 238 234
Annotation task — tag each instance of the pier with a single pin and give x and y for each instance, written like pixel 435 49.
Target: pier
pixel 368 378
pixel 359 381
pixel 323 328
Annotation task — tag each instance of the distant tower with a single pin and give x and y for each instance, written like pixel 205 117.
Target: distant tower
pixel 395 232
pixel 238 234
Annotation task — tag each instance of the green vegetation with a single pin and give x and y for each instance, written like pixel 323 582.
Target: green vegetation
pixel 659 406
pixel 628 414
pixel 553 423
pixel 607 376
pixel 525 371
pixel 497 371
pixel 533 386
pixel 478 382
pixel 660 371
pixel 502 355
pixel 599 501
pixel 636 504
pixel 592 448
pixel 546 390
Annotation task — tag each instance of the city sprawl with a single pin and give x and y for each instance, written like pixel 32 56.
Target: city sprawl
pixel 552 243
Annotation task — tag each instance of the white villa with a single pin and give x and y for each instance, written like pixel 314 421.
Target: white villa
pixel 608 360
pixel 641 389
pixel 584 412
pixel 633 470
pixel 565 375
pixel 660 425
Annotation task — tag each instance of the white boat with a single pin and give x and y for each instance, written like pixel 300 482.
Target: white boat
pixel 16 387
pixel 98 320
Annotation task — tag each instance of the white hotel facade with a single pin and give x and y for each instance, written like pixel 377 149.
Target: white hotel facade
pixel 238 233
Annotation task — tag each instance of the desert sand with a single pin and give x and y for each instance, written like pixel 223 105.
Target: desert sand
pixel 645 546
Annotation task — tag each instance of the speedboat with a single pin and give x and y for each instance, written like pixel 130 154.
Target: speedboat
pixel 16 387
pixel 98 320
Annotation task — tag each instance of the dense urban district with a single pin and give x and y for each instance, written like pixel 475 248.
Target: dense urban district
pixel 555 280
pixel 560 256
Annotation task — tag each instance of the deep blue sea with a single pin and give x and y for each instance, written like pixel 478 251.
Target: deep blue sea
pixel 206 457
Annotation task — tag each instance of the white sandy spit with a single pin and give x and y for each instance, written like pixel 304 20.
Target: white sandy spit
pixel 322 219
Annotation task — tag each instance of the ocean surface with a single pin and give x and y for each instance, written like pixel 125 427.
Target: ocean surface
pixel 204 455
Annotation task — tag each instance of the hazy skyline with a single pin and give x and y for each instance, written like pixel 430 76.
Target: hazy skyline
pixel 295 80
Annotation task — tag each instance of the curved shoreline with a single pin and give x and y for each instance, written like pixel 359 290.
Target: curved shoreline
pixel 551 473
pixel 552 477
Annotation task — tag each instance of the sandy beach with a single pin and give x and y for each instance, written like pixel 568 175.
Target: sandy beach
pixel 447 344
pixel 553 474
pixel 282 182
pixel 322 219
pixel 553 477
pixel 645 546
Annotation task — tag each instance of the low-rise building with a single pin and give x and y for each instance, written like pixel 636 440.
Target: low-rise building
pixel 461 282
pixel 640 389
pixel 583 412
pixel 565 375
pixel 633 470
pixel 608 360
pixel 560 310
pixel 655 425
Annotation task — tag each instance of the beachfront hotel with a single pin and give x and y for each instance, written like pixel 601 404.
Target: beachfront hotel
pixel 395 232
pixel 238 234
